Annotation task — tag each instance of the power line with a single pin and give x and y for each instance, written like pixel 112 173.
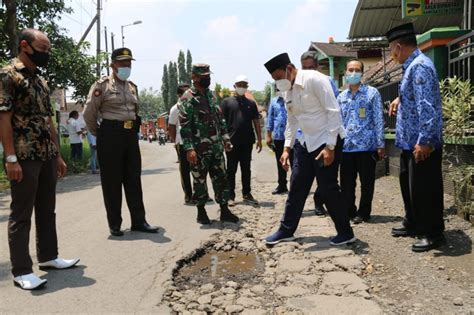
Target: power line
pixel 73 19
pixel 84 9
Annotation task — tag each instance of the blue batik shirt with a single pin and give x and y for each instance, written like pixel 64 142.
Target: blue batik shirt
pixel 276 120
pixel 362 115
pixel 419 118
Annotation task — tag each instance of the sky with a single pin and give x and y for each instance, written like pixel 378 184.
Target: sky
pixel 233 36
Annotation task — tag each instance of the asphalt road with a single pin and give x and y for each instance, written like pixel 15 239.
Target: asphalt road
pixel 115 275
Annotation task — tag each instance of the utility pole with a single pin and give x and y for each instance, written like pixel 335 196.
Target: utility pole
pixel 112 40
pixel 98 38
pixel 106 49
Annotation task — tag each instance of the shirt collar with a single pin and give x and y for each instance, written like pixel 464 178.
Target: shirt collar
pixel 20 66
pixel 362 90
pixel 410 59
pixel 299 80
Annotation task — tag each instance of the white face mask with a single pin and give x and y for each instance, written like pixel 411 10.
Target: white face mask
pixel 284 85
pixel 240 91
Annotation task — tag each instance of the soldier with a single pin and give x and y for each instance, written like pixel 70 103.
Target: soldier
pixel 33 162
pixel 204 135
pixel 114 100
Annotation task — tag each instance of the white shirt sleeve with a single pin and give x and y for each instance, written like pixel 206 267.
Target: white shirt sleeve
pixel 323 91
pixel 291 125
pixel 173 118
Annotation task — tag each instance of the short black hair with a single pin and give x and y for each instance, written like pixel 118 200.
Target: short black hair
pixel 28 34
pixel 409 40
pixel 182 87
pixel 358 60
pixel 74 113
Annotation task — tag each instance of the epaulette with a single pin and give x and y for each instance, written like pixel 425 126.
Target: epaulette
pixel 103 79
pixel 186 95
pixel 133 84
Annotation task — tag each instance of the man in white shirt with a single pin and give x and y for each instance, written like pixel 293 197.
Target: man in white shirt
pixel 75 130
pixel 312 107
pixel 174 132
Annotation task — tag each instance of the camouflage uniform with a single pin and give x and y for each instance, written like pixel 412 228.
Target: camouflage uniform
pixel 203 129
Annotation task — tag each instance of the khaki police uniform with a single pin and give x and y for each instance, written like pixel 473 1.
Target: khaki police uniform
pixel 111 114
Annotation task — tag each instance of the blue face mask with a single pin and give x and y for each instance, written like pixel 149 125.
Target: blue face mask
pixel 123 73
pixel 353 78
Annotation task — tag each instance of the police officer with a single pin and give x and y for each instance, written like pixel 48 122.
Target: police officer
pixel 32 159
pixel 205 137
pixel 114 101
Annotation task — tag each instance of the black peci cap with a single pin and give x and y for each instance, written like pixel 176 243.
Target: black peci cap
pixel 400 31
pixel 282 60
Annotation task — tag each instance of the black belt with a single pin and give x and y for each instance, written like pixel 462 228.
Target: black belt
pixel 128 124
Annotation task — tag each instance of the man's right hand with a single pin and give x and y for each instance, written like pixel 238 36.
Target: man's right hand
pixel 392 110
pixel 14 171
pixel 269 141
pixel 285 160
pixel 191 156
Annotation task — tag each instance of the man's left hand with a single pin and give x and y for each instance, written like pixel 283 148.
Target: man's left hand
pixel 327 156
pixel 381 153
pixel 422 152
pixel 259 146
pixel 228 146
pixel 62 167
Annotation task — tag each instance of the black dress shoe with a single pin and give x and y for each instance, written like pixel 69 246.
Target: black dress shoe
pixel 357 220
pixel 402 231
pixel 424 244
pixel 145 227
pixel 320 211
pixel 280 190
pixel 116 232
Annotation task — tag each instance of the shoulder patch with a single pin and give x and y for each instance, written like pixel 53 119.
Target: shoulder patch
pixel 97 92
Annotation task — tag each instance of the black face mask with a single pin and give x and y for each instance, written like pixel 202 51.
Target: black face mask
pixel 39 58
pixel 205 82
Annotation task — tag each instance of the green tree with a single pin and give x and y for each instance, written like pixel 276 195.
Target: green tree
pixel 182 74
pixel 69 65
pixel 218 92
pixel 151 104
pixel 173 84
pixel 165 86
pixel 189 65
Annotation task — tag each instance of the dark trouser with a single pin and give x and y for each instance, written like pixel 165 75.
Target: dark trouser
pixel 36 190
pixel 305 168
pixel 318 197
pixel 185 172
pixel 241 153
pixel 422 190
pixel 362 163
pixel 76 151
pixel 279 146
pixel 120 165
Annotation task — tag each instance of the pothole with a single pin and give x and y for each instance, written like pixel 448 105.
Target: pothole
pixel 207 265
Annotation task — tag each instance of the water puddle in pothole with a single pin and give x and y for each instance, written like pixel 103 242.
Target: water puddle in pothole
pixel 217 266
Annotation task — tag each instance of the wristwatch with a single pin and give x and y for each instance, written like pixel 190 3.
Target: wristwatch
pixel 330 147
pixel 11 159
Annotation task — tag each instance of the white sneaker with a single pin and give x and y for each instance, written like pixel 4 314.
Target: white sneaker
pixel 58 263
pixel 29 281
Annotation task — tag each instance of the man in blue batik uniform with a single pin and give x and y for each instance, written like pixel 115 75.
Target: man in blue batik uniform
pixel 276 125
pixel 419 136
pixel 362 115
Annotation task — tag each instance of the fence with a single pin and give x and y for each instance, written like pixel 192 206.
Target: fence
pixel 460 57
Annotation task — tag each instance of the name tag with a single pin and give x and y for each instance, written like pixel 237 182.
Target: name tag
pixel 361 112
pixel 128 124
